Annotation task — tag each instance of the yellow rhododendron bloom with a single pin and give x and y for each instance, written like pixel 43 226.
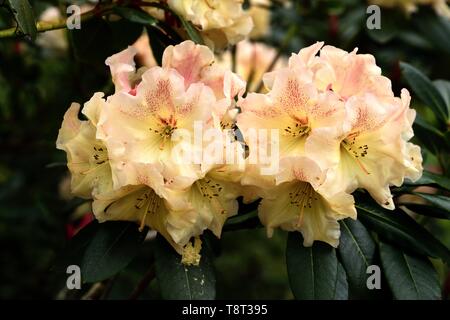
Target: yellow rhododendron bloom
pixel 87 157
pixel 125 154
pixel 221 22
pixel 336 109
pixel 297 204
pixel 373 152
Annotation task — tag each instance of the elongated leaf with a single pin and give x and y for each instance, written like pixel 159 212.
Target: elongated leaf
pixel 429 136
pixel 443 86
pixel 191 31
pixel 431 179
pixel 399 228
pixel 312 271
pixel 427 210
pixel 439 201
pixel 112 248
pixel 24 15
pixel 341 290
pixel 426 91
pixel 357 251
pixel 409 277
pixel 245 221
pixel 136 15
pixel 180 282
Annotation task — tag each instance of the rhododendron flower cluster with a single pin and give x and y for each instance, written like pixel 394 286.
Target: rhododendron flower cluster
pixel 339 127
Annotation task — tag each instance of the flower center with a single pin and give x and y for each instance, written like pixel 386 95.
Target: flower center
pixel 211 190
pixel 100 155
pixel 148 200
pixel 303 197
pixel 356 150
pixel 297 130
pixel 165 129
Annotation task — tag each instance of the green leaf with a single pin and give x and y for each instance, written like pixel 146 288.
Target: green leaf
pixel 180 282
pixel 409 277
pixel 357 252
pixel 136 16
pixel 313 271
pixel 427 210
pixel 24 15
pixel 429 136
pixel 399 228
pixel 430 179
pixel 191 31
pixel 248 220
pixel 425 90
pixel 443 86
pixel 98 39
pixel 341 290
pixel 112 248
pixel 438 201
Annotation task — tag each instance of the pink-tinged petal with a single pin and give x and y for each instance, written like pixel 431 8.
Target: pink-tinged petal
pixel 70 126
pixel 305 56
pixel 160 91
pixel 301 169
pixel 188 59
pixel 122 67
pixel 198 100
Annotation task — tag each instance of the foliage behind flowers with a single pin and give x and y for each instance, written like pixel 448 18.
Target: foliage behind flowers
pixel 345 134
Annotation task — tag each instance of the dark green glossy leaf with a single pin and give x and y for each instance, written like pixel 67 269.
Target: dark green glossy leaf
pixel 425 90
pixel 409 277
pixel 431 179
pixel 438 201
pixel 180 282
pixel 313 271
pixel 24 15
pixel 427 210
pixel 443 86
pixel 429 136
pixel 357 252
pixel 341 290
pixel 111 249
pixel 399 228
pixel 136 16
pixel 248 220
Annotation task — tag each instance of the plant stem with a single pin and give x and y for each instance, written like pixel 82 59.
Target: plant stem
pixel 43 26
